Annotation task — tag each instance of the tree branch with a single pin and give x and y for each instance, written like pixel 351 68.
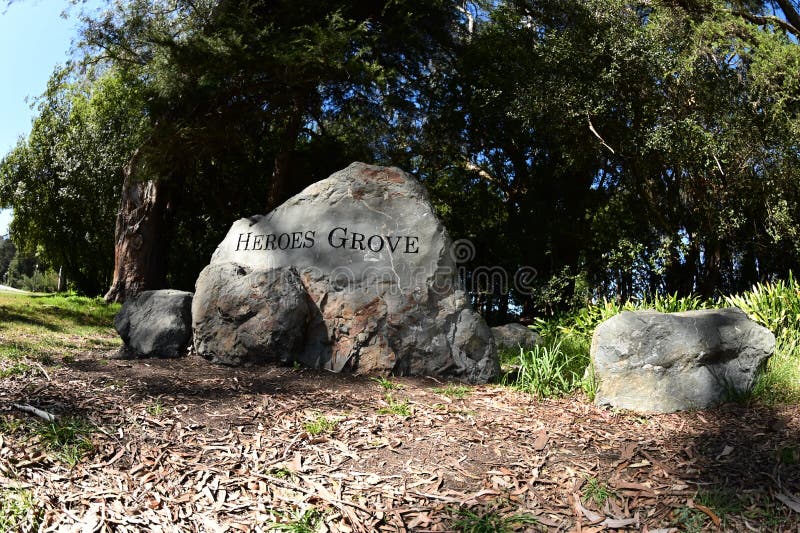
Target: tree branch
pixel 790 12
pixel 764 20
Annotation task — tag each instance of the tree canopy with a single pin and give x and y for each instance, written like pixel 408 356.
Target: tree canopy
pixel 618 148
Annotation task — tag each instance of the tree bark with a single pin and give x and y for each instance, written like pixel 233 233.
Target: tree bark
pixel 140 241
pixel 62 280
pixel 279 188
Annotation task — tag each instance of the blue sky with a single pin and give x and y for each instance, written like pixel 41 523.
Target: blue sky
pixel 34 38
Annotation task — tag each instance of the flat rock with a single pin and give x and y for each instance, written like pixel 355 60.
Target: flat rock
pixel 155 324
pixel 375 262
pixel 514 335
pixel 657 362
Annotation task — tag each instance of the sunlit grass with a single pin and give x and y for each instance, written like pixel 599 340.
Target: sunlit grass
pixel 51 329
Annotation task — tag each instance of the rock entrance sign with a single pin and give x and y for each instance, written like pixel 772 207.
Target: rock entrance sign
pixel 374 263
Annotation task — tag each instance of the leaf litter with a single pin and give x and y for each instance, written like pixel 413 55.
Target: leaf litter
pixel 181 445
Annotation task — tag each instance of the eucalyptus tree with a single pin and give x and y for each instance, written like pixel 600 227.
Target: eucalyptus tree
pixel 63 181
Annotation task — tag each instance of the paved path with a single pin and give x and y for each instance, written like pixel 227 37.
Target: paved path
pixel 10 289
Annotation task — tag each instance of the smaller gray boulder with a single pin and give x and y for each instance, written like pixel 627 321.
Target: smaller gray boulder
pixel 245 315
pixel 514 335
pixel 155 324
pixel 663 362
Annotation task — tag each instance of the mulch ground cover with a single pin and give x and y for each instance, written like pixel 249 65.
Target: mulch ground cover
pixel 181 445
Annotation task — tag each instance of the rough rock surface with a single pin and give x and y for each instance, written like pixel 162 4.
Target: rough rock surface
pixel 155 324
pixel 376 264
pixel 656 362
pixel 514 335
pixel 253 315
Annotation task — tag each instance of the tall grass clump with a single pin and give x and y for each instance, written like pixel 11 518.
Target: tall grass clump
pixel 549 370
pixel 583 321
pixel 776 305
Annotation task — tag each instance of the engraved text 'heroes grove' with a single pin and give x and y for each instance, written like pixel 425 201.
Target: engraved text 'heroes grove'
pixel 338 238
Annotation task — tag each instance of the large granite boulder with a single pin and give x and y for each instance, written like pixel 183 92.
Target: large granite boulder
pixel 376 265
pixel 258 315
pixel 514 336
pixel 656 362
pixel 155 324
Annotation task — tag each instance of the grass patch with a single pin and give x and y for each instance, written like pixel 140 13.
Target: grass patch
pixel 690 520
pixel 551 369
pixel 68 439
pixel 156 408
pixel 47 329
pixel 308 521
pixel 59 313
pixel 18 511
pixel 722 501
pixel 10 425
pixel 491 520
pixel 780 381
pixel 15 369
pixel 320 425
pixel 395 407
pixel 386 384
pixel 457 392
pixel 596 491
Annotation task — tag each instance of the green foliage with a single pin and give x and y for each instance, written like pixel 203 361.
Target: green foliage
pixel 39 281
pixel 583 321
pixel 41 330
pixel 596 491
pixel 621 150
pixel 9 425
pixel 775 305
pixel 15 369
pixel 308 521
pixel 490 520
pixel 394 407
pixel 69 439
pixel 550 370
pixel 63 180
pixel 454 391
pixel 320 425
pixel 156 408
pixel 689 519
pixel 721 500
pixel 7 252
pixel 19 511
pixel 386 384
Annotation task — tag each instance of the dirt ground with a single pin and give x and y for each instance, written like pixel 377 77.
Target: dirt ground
pixel 181 445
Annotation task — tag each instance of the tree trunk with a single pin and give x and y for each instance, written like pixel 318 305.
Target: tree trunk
pixel 62 280
pixel 140 240
pixel 279 188
pixel 278 184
